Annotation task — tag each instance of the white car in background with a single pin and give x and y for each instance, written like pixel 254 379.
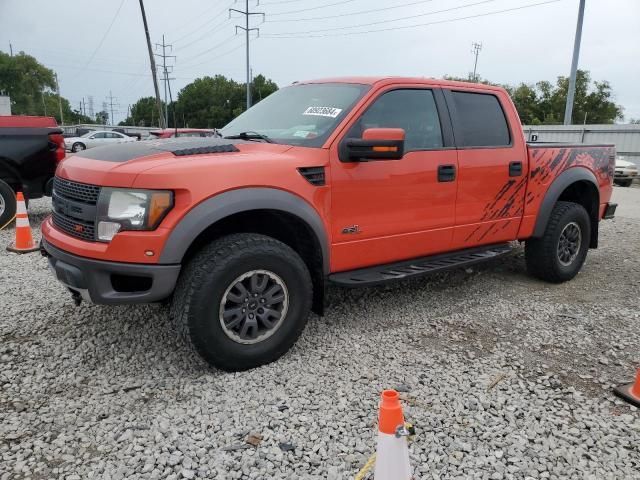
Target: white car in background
pixel 625 172
pixel 96 139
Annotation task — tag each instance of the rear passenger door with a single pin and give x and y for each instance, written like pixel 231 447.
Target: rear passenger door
pixel 492 166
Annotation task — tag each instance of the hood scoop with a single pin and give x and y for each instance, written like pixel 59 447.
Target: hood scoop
pixel 124 152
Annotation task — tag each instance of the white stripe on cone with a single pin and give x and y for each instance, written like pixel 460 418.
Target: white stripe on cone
pixel 22 222
pixel 21 208
pixel 392 458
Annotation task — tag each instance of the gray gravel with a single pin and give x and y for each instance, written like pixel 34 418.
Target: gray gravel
pixel 504 376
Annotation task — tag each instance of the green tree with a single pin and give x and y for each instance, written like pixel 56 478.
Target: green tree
pixel 143 113
pixel 102 118
pixel 25 80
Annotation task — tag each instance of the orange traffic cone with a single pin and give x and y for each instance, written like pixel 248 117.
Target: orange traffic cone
pixel 631 391
pixel 392 452
pixel 24 239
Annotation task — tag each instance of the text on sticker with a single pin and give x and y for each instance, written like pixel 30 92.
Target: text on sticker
pixel 323 111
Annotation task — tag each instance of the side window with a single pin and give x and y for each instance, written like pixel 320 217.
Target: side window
pixel 412 110
pixel 99 135
pixel 480 120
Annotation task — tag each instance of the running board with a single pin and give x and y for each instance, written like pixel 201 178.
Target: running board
pixel 418 266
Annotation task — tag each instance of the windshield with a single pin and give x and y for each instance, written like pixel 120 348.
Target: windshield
pixel 300 114
pixel 88 134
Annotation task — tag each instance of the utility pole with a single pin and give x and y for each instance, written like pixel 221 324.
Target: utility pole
pixel 246 29
pixel 153 67
pixel 475 49
pixel 11 49
pixel 165 74
pixel 91 110
pixel 59 101
pixel 111 98
pixel 568 109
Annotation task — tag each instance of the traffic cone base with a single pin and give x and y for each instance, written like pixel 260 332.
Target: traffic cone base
pixel 392 452
pixel 630 392
pixel 24 240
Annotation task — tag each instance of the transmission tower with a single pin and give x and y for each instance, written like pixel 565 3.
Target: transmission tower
pixel 165 73
pixel 475 49
pixel 246 29
pixel 111 98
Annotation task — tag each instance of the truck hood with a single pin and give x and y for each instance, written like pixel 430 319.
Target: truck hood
pixel 119 165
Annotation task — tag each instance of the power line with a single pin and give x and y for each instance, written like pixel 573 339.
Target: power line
pixel 247 14
pixel 206 33
pixel 361 12
pixel 232 36
pixel 103 37
pixel 314 8
pixel 301 35
pixel 192 30
pixel 217 56
pixel 459 7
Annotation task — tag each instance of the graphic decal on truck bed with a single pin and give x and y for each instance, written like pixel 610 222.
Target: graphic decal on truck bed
pixel 546 164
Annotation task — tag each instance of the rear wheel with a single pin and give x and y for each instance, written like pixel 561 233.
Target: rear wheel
pixel 243 301
pixel 624 183
pixel 78 147
pixel 7 203
pixel 559 254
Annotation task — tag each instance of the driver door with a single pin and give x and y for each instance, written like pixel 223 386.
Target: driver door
pixel 391 210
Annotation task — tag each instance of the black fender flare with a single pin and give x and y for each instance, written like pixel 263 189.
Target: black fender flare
pixel 566 178
pixel 240 200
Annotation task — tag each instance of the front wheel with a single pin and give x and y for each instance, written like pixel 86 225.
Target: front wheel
pixel 78 147
pixel 243 301
pixel 559 254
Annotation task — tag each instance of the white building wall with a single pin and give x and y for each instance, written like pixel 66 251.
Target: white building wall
pixel 5 105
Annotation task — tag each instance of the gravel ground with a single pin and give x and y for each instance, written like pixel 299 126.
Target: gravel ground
pixel 504 376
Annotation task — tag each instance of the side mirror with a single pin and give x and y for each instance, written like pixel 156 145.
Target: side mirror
pixel 375 144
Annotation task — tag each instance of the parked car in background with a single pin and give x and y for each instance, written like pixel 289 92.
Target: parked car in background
pixel 625 173
pixel 30 150
pixel 96 139
pixel 350 181
pixel 184 132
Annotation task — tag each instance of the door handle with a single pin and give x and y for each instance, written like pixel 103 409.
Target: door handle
pixel 446 173
pixel 515 169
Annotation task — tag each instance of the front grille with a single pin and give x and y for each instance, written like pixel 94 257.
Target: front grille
pixel 75 228
pixel 74 208
pixel 80 192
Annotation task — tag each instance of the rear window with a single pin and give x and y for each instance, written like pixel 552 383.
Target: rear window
pixel 480 121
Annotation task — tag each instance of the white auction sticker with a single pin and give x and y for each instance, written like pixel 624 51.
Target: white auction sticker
pixel 323 111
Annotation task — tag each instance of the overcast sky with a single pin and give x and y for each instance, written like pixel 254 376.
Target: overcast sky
pixel 98 46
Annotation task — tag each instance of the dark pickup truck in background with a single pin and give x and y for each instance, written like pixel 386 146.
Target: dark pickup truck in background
pixel 30 150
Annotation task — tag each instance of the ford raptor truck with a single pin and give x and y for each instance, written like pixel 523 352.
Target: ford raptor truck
pixel 351 181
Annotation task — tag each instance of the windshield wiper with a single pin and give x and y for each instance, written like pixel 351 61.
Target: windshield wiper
pixel 250 135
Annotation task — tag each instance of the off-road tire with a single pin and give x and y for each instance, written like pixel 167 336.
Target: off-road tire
pixel 541 254
pixel 8 203
pixel 202 284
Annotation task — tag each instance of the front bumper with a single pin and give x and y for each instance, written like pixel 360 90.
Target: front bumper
pixel 105 282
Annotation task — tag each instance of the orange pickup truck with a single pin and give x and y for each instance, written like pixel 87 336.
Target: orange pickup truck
pixel 354 181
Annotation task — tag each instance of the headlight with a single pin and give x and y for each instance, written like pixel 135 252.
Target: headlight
pixel 121 209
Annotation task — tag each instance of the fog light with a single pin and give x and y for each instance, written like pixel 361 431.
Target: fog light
pixel 107 230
